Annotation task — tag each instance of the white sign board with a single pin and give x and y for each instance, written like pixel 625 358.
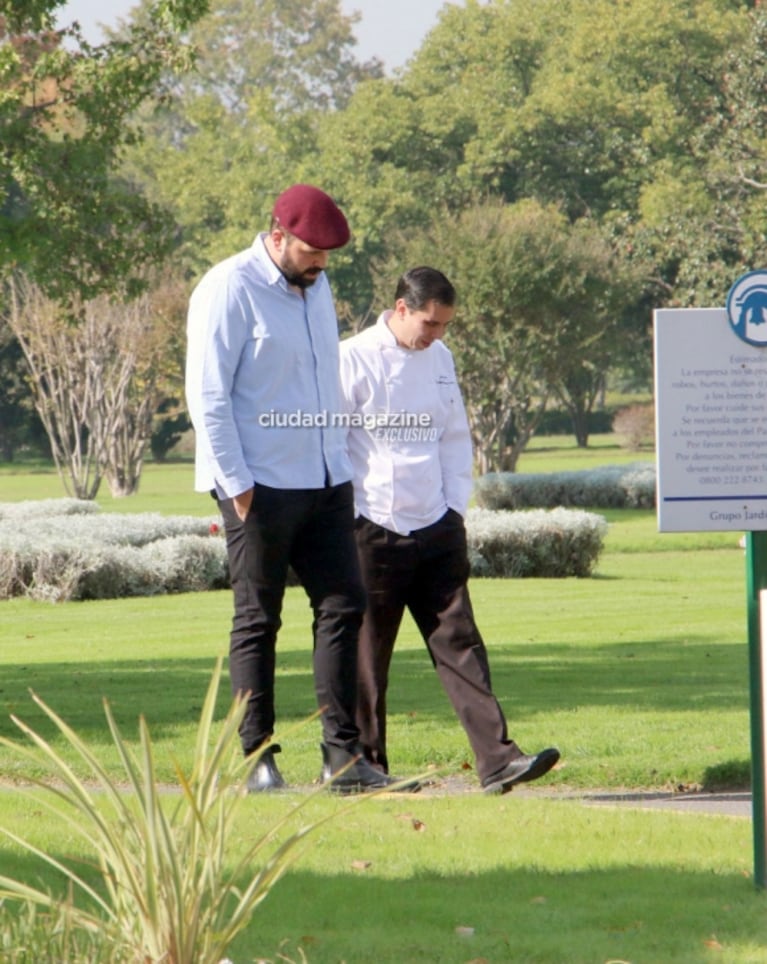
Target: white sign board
pixel 711 422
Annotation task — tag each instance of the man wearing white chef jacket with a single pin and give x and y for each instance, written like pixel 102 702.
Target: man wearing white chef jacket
pixel 411 455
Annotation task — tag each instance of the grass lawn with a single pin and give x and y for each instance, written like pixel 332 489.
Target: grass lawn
pixel 638 674
pixel 168 487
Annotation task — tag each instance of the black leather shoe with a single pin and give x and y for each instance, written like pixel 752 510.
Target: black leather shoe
pixel 521 769
pixel 265 776
pixel 358 775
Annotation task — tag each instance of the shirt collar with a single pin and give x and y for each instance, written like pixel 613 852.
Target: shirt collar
pixel 386 336
pixel 273 273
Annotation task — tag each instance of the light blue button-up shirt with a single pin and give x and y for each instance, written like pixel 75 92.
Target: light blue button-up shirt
pixel 262 381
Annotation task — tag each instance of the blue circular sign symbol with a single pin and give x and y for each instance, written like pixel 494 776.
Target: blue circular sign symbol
pixel 747 308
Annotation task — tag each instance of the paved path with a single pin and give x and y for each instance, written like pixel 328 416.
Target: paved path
pixel 730 804
pixel 733 804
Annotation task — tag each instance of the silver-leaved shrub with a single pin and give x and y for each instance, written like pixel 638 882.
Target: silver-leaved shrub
pixel 66 549
pixel 21 512
pixel 553 544
pixel 629 486
pixel 58 549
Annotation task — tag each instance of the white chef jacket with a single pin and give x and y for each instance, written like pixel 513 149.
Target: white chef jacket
pixel 408 435
pixel 262 379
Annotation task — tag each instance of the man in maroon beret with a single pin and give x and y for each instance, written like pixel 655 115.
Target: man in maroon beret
pixel 262 385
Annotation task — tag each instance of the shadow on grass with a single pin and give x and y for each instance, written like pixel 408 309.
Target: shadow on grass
pixel 653 675
pixel 622 913
pixel 627 914
pixel 167 692
pixel 728 775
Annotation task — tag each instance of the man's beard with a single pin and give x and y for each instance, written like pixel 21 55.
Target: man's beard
pixel 299 279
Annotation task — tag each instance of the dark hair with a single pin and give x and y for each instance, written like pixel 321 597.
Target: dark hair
pixel 421 285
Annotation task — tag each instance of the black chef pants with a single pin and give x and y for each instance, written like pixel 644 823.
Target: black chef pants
pixel 427 572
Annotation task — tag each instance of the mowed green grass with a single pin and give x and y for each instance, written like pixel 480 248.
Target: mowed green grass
pixel 639 675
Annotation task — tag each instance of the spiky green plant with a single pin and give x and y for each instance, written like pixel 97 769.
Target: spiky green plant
pixel 167 894
pixel 29 935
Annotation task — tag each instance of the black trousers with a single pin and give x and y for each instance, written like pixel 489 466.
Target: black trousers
pixel 312 531
pixel 427 572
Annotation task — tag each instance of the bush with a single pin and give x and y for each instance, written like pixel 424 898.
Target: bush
pixel 635 426
pixel 60 549
pixel 22 512
pixel 555 421
pixel 554 544
pixel 65 549
pixel 607 487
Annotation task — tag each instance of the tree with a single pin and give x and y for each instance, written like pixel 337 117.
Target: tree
pixel 243 124
pixel 170 423
pixel 703 220
pixel 569 102
pixel 97 382
pixel 598 298
pixel 585 104
pixel 20 426
pixel 72 227
pixel 148 336
pixel 534 297
pixel 299 50
pixel 220 179
pixel 378 157
pixel 67 112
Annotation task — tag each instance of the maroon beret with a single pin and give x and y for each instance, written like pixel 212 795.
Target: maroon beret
pixel 312 216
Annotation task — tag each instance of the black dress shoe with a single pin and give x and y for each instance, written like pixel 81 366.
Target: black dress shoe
pixel 358 775
pixel 265 775
pixel 521 769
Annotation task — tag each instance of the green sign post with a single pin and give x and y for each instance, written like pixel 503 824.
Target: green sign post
pixel 756 562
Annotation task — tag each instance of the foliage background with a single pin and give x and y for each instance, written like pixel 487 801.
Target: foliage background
pixel 635 133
